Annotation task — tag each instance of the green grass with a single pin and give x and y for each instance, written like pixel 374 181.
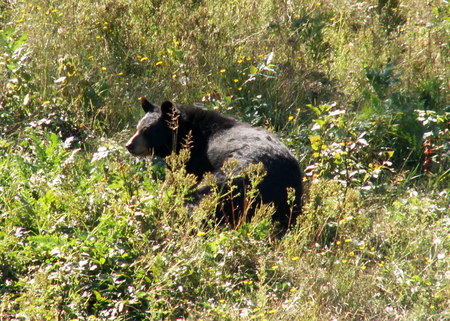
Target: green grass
pixel 359 92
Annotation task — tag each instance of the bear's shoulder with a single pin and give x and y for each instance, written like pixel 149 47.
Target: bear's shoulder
pixel 207 121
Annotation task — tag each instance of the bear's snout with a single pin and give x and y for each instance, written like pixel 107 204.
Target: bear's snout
pixel 130 146
pixel 136 146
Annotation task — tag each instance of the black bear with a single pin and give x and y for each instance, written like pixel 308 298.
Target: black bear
pixel 215 139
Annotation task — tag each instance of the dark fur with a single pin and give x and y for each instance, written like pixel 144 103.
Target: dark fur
pixel 217 138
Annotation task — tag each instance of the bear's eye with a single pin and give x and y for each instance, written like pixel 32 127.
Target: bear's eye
pixel 145 129
pixel 141 129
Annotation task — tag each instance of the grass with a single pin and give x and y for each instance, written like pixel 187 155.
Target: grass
pixel 359 92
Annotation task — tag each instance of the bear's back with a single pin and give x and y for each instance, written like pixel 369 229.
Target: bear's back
pixel 252 145
pixel 248 145
pixel 221 137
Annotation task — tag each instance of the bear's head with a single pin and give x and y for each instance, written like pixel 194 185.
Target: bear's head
pixel 154 133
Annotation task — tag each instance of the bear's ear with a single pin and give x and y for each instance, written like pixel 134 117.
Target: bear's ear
pixel 147 106
pixel 168 110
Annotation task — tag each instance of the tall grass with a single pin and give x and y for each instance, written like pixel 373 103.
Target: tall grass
pixel 358 90
pixel 115 51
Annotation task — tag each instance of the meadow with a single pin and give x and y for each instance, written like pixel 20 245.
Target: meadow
pixel 358 90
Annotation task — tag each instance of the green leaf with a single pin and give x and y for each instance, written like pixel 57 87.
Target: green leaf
pixel 98 296
pixel 18 43
pixel 316 142
pixel 253 70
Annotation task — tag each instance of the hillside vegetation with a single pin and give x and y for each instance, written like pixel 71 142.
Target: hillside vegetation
pixel 358 90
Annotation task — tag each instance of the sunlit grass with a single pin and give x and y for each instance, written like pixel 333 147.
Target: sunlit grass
pixel 89 232
pixel 86 220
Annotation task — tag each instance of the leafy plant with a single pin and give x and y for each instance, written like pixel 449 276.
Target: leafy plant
pixel 435 142
pixel 357 90
pixel 17 82
pixel 344 151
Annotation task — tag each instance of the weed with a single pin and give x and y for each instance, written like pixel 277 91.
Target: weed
pixel 358 91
